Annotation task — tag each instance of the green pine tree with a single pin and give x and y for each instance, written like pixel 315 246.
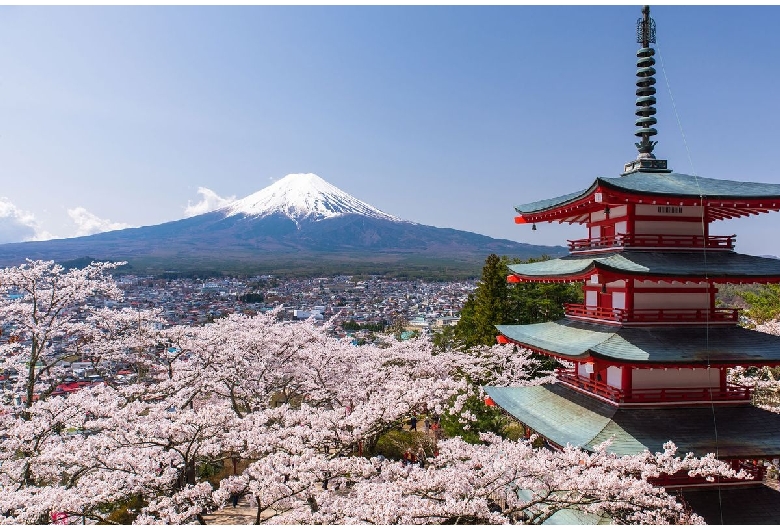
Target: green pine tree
pixel 531 303
pixel 763 304
pixel 486 306
pixel 494 301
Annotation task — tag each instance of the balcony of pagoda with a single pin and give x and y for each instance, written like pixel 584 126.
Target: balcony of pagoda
pixel 636 397
pixel 648 317
pixel 756 474
pixel 653 242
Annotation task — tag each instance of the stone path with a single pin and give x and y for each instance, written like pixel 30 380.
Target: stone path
pixel 241 514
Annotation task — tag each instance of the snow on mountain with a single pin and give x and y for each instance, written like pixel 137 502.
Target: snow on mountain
pixel 302 196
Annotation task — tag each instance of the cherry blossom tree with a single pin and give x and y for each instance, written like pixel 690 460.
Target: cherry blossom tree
pixel 45 318
pixel 95 449
pixel 300 407
pixel 765 380
pixel 504 482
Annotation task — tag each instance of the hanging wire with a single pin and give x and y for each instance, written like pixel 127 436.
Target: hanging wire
pixel 679 123
pixel 706 275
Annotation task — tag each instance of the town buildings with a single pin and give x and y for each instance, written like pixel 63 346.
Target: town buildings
pixel 367 304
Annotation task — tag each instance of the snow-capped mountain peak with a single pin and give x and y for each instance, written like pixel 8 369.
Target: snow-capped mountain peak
pixel 303 196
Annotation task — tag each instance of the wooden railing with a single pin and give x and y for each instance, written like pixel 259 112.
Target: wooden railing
pixel 665 395
pixel 653 241
pixel 599 388
pixel 720 315
pixel 653 395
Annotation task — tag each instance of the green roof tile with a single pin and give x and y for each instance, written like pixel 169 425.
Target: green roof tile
pixel 736 505
pixel 648 345
pixel 566 416
pixel 665 184
pixel 721 265
pixel 679 184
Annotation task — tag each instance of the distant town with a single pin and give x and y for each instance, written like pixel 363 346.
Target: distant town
pixel 356 307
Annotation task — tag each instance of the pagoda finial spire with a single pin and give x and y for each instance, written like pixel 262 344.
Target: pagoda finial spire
pixel 645 99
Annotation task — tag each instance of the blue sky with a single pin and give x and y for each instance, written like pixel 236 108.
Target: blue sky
pixel 449 116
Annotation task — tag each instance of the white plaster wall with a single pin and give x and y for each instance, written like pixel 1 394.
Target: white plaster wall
pixel 595 231
pixel 614 213
pixel 667 285
pixel 669 228
pixel 614 376
pixel 591 298
pixel 642 378
pixel 619 300
pixel 621 227
pixel 581 370
pixel 618 211
pixel 671 301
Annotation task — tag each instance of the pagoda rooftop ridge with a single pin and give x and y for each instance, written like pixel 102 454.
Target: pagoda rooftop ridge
pixel 721 267
pixel 742 198
pixel 565 416
pixel 667 346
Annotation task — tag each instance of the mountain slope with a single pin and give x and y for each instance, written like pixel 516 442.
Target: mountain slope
pixel 299 224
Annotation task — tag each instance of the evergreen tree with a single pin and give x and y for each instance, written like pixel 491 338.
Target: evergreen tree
pixel 764 304
pixel 531 303
pixel 486 306
pixel 496 302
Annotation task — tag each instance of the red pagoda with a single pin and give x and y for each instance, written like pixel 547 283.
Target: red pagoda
pixel 649 348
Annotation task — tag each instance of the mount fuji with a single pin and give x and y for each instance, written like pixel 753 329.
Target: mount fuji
pixel 300 224
pixel 303 196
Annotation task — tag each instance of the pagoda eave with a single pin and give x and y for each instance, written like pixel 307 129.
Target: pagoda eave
pixel 678 346
pixel 589 357
pixel 565 416
pixel 610 275
pixel 683 266
pixel 722 199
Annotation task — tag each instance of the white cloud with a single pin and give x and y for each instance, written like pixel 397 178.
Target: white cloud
pixel 17 225
pixel 209 202
pixel 88 223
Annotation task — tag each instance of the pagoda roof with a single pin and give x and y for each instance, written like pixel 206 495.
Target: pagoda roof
pixel 667 345
pixel 735 505
pixel 565 416
pixel 631 187
pixel 722 267
pixel 730 505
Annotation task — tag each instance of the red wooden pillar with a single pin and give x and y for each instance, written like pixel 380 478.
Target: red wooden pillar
pixel 713 291
pixel 631 221
pixel 625 380
pixel 723 382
